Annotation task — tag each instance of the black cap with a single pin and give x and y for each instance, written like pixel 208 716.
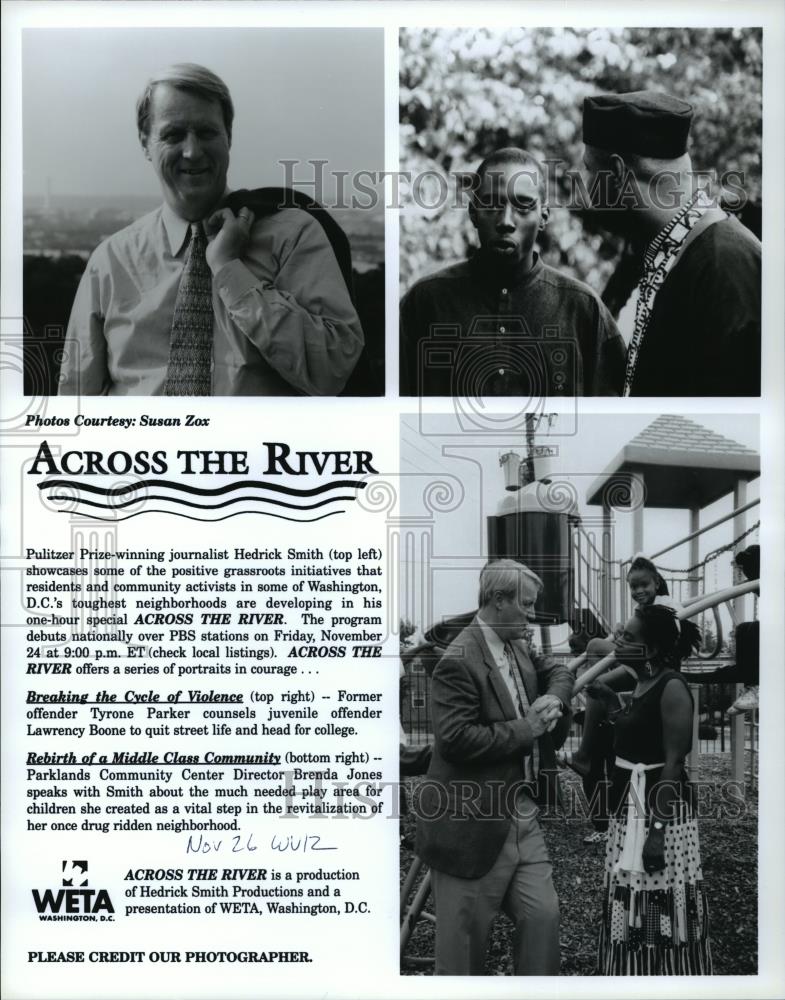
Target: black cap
pixel 644 122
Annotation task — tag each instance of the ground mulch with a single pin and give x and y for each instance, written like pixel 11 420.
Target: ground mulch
pixel 728 838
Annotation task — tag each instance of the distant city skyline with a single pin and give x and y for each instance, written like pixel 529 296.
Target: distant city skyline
pixel 76 224
pixel 79 88
pixel 37 202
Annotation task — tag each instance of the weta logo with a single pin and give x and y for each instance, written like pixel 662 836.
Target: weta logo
pixel 73 901
pixel 72 869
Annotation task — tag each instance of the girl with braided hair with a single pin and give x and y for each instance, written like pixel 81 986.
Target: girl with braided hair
pixel 594 757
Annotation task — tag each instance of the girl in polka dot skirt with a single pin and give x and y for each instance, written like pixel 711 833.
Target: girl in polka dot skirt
pixel 655 920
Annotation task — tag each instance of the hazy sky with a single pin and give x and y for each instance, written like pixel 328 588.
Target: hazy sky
pixel 298 94
pixel 462 532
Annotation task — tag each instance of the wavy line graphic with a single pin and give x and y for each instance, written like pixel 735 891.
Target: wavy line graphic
pixel 190 517
pixel 199 506
pixel 117 491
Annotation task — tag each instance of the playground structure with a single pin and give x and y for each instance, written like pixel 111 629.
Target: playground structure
pixel 673 463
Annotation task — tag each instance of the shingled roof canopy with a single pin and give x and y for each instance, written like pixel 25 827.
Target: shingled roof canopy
pixel 683 465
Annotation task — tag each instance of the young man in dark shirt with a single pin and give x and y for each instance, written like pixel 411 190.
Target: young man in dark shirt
pixel 503 323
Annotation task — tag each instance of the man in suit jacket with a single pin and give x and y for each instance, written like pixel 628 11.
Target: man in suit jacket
pixel 493 705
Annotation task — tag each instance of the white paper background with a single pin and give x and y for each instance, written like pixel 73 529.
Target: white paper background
pixel 363 963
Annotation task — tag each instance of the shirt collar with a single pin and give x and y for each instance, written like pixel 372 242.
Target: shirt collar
pixel 485 272
pixel 177 228
pixel 494 643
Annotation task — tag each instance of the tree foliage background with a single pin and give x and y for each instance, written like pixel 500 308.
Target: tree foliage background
pixel 465 92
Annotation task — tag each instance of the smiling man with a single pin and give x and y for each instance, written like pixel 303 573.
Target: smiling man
pixel 503 323
pixel 193 300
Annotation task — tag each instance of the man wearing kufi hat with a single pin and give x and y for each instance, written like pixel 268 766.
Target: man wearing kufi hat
pixel 697 316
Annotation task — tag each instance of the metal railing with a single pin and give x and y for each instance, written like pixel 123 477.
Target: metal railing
pixel 600 585
pixel 594 577
pixel 589 575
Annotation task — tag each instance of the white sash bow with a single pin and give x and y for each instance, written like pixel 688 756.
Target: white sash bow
pixel 631 858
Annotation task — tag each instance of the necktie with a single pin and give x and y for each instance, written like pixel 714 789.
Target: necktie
pixel 532 763
pixel 191 341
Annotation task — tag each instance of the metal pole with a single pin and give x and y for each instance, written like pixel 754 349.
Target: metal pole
pixel 606 586
pixel 707 527
pixel 737 725
pixel 637 517
pixel 577 554
pixel 693 757
pixel 414 912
